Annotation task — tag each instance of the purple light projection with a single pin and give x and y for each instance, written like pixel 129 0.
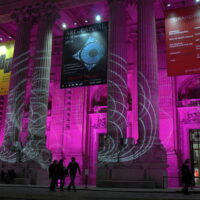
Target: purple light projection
pixel 74 121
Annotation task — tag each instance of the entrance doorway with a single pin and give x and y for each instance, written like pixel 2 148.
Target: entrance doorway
pixel 195 154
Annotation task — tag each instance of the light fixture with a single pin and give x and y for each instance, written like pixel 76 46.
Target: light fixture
pixel 1 39
pixel 9 37
pixel 98 18
pixel 86 21
pixel 75 23
pixel 64 26
pixel 197 1
pixel 169 4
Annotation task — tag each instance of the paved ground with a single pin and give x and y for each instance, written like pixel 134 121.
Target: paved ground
pixel 19 192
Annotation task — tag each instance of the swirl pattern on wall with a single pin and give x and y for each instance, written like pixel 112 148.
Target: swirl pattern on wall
pixel 111 151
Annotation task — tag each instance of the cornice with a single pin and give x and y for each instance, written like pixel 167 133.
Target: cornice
pixel 7 6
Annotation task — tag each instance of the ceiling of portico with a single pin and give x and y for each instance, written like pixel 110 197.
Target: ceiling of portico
pixel 78 11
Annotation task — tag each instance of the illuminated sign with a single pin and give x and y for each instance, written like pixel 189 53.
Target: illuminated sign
pixel 85 56
pixel 6 54
pixel 183 41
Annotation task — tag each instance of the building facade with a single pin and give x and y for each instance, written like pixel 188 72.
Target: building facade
pixel 136 129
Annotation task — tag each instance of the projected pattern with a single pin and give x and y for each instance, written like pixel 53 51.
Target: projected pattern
pixel 36 146
pixel 34 149
pixel 11 144
pixel 110 151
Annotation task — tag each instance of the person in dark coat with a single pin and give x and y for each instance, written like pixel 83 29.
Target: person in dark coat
pixel 186 175
pixel 61 174
pixel 72 168
pixel 53 175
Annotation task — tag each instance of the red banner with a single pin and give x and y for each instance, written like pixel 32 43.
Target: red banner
pixel 183 41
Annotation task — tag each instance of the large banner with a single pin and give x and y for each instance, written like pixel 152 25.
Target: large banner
pixel 183 41
pixel 85 56
pixel 6 54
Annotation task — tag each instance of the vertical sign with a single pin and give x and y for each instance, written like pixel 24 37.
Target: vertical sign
pixel 6 54
pixel 183 41
pixel 85 56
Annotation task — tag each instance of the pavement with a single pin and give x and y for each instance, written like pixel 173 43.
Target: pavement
pixel 30 192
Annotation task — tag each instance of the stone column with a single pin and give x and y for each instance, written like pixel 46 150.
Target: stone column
pixel 148 156
pixel 117 71
pixel 41 78
pixel 16 94
pixel 148 102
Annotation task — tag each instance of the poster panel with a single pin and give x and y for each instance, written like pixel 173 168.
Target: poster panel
pixel 183 41
pixel 6 54
pixel 85 56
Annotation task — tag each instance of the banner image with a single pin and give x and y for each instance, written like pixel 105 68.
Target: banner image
pixel 183 41
pixel 6 54
pixel 85 56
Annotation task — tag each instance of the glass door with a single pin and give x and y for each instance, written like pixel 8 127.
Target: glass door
pixel 195 154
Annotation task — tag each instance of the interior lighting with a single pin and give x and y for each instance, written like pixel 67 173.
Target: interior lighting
pixel 64 26
pixel 197 1
pixel 86 21
pixel 2 49
pixel 1 39
pixel 75 23
pixel 98 18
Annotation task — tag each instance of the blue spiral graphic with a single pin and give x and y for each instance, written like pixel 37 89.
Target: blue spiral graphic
pixel 91 53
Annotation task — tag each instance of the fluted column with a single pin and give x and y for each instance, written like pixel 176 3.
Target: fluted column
pixel 148 101
pixel 18 79
pixel 117 71
pixel 41 75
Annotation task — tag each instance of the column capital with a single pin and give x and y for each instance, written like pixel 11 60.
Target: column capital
pixel 117 1
pixel 149 1
pixel 22 15
pixel 45 11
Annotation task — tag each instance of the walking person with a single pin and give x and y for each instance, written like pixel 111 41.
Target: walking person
pixel 186 176
pixel 61 174
pixel 53 175
pixel 72 168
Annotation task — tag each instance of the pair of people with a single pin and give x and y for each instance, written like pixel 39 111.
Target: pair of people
pixel 58 171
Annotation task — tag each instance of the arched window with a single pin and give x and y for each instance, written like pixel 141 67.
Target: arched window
pixel 190 89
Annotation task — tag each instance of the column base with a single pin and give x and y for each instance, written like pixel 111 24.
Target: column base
pixel 147 171
pixel 37 151
pixel 27 173
pixel 174 177
pixel 34 150
pixel 7 155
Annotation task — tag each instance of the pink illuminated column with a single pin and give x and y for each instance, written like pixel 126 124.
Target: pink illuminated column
pixel 41 75
pixel 147 74
pixel 117 71
pixel 16 94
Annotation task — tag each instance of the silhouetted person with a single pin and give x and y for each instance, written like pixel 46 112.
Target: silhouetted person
pixel 12 174
pixel 53 174
pixel 72 168
pixel 2 177
pixel 186 175
pixel 61 174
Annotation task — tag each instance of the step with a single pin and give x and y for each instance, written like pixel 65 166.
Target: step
pixel 126 184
